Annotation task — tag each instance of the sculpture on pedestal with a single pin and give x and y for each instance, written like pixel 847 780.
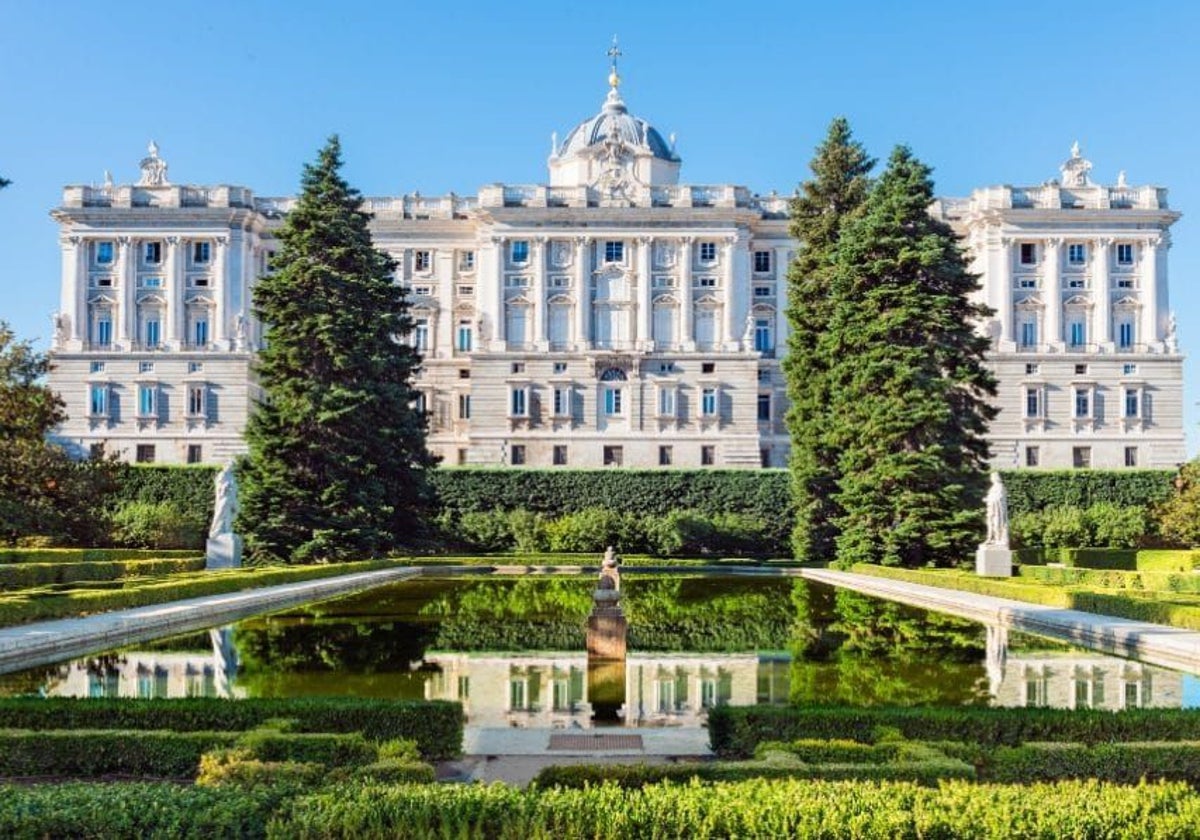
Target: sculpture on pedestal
pixel 224 548
pixel 606 632
pixel 994 557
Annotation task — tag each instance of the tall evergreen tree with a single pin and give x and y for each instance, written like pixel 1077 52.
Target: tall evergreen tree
pixel 337 449
pixel 909 390
pixel 819 211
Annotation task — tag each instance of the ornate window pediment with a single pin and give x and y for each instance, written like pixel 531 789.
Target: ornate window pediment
pixel 667 299
pixel 1031 302
pixel 560 300
pixel 519 300
pixel 1127 303
pixel 152 299
pixel 763 310
pixel 1077 302
pixel 103 298
pixel 709 300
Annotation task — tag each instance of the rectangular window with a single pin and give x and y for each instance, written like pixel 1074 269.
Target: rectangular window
pixel 147 400
pixel 708 455
pixel 144 454
pixel 1081 370
pixel 1076 253
pixel 1033 402
pixel 423 291
pixel 1078 334
pixel 422 261
pixel 665 456
pixel 560 455
pixel 708 367
pixel 195 453
pixel 1032 456
pixel 518 367
pixel 614 456
pixel 708 402
pixel 145 367
pixel 1031 368
pixel 763 342
pixel 1131 456
pixel 99 400
pixel 1129 368
pixel 1124 253
pixel 464 337
pixel 612 401
pixel 464 406
pixel 154 282
pixel 466 261
pixel 1028 333
pixel 462 457
pixel 517 454
pixel 195 367
pixel 201 252
pixel 762 262
pixel 97 367
pixel 196 400
pixel 152 253
pixel 464 373
pixel 421 334
pixel 520 251
pixel 764 408
pixel 666 402
pixel 1125 335
pixel 560 367
pixel 200 332
pixel 562 401
pixel 707 282
pixel 708 251
pixel 1132 402
pixel 764 291
pixel 1028 253
pixel 518 402
pixel 1081 457
pixel 614 251
pixel 104 253
pixel 466 291
pixel 1083 402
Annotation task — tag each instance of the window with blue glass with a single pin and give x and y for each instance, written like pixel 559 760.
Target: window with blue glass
pixel 99 400
pixel 151 332
pixel 1028 334
pixel 147 400
pixel 104 253
pixel 1033 402
pixel 763 342
pixel 614 251
pixel 520 251
pixel 1083 402
pixel 519 402
pixel 1078 334
pixel 200 331
pixel 463 337
pixel 1132 402
pixel 104 330
pixel 708 402
pixel 1076 253
pixel 612 401
pixel 1125 334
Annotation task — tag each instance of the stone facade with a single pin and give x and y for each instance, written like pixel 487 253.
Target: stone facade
pixel 614 317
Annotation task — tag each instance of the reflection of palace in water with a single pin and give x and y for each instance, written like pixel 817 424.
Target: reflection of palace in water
pixel 551 689
pixel 153 674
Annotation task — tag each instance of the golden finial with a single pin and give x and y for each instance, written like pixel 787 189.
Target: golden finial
pixel 614 52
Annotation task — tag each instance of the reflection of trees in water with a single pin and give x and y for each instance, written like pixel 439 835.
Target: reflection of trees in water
pixel 32 681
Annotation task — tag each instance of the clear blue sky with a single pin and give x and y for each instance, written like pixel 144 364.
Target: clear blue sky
pixel 448 96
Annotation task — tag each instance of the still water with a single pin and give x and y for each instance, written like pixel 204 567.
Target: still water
pixel 513 652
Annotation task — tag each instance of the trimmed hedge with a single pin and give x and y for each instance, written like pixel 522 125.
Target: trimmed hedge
pixel 88 753
pixel 23 575
pixel 87 555
pixel 190 487
pixel 33 605
pixel 1100 579
pixel 1173 609
pixel 1035 490
pixel 326 748
pixel 1121 763
pixel 736 732
pixel 435 726
pixel 755 809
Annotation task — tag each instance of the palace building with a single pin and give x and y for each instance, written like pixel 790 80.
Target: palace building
pixel 612 317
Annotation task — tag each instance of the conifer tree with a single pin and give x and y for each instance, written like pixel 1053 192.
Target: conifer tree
pixel 837 189
pixel 909 390
pixel 337 449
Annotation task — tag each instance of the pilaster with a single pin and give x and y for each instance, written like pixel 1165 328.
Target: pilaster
pixel 174 330
pixel 73 301
pixel 686 303
pixel 1003 298
pixel 221 312
pixel 1052 281
pixel 730 332
pixel 1101 295
pixel 1149 281
pixel 538 246
pixel 583 293
pixel 645 340
pixel 126 279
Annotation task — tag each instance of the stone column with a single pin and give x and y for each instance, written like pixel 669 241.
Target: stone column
pixel 220 315
pixel 1003 302
pixel 1149 280
pixel 538 247
pixel 73 300
pixel 687 338
pixel 442 329
pixel 1053 294
pixel 732 327
pixel 498 321
pixel 126 325
pixel 583 292
pixel 782 327
pixel 1101 294
pixel 175 329
pixel 645 340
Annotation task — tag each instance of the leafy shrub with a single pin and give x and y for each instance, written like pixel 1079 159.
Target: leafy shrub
pixel 157 525
pixel 399 749
pixel 752 809
pixel 86 555
pixel 24 575
pixel 1064 527
pixel 486 530
pixel 240 768
pixel 528 531
pixel 394 771
pixel 330 749
pixel 590 530
pixel 1036 490
pixel 435 726
pixel 1124 763
pixel 1117 527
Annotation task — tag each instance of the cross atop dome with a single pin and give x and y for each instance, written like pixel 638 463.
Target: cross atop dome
pixel 614 52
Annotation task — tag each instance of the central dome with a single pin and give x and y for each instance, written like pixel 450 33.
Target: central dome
pixel 614 120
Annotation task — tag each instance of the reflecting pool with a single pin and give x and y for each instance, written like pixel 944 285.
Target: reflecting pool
pixel 512 650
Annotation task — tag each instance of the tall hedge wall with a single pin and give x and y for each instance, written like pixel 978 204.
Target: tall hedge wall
pixel 762 493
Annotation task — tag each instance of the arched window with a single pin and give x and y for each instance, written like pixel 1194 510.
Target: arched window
pixel 613 375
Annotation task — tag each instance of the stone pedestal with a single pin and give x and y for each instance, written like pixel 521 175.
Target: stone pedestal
pixel 993 561
pixel 607 627
pixel 224 551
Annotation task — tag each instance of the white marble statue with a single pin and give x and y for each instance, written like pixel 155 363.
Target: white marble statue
pixel 225 509
pixel 997 513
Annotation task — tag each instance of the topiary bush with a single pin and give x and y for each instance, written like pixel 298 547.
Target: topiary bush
pixel 162 525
